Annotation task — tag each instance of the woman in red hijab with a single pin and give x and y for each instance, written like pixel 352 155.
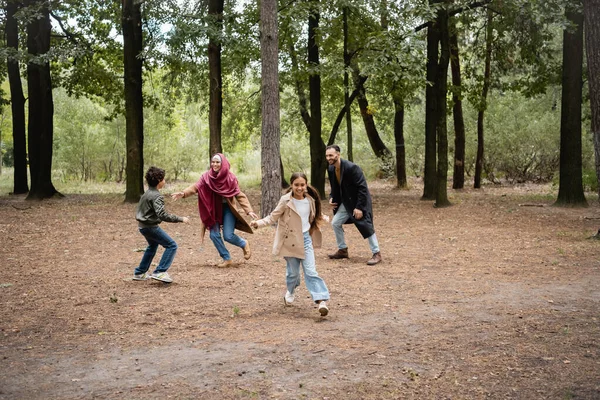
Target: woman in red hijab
pixel 217 189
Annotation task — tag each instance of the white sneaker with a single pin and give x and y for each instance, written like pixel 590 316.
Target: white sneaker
pixel 288 299
pixel 141 277
pixel 162 276
pixel 323 308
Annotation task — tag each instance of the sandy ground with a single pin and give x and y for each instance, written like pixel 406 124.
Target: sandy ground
pixel 495 297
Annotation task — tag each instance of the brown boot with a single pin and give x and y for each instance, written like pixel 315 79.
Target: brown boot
pixel 247 252
pixel 225 264
pixel 376 259
pixel 340 253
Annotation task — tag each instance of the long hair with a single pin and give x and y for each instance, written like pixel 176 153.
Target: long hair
pixel 312 192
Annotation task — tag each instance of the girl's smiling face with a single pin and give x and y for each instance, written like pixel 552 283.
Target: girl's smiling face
pixel 299 187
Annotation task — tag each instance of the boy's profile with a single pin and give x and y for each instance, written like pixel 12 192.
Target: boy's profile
pixel 150 213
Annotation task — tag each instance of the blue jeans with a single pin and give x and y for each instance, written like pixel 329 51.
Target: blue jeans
pixel 156 236
pixel 314 283
pixel 337 223
pixel 228 234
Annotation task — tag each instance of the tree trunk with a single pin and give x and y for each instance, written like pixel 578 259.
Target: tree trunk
pixel 17 103
pixel 458 177
pixel 483 101
pixel 431 109
pixel 134 108
pixel 441 193
pixel 41 107
pixel 399 138
pixel 318 163
pixel 570 187
pixel 347 101
pixel 379 148
pixel 591 9
pixel 215 113
pixel 270 156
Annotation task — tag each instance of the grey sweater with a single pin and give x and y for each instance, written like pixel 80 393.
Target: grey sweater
pixel 151 210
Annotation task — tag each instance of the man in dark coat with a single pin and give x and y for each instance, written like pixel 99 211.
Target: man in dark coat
pixel 351 202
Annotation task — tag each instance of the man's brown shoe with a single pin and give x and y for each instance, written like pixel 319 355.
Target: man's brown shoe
pixel 247 253
pixel 376 259
pixel 340 253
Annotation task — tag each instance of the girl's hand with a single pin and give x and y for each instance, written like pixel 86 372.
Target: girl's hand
pixel 325 217
pixel 186 220
pixel 253 215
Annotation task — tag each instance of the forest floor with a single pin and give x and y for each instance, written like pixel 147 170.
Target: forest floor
pixel 495 297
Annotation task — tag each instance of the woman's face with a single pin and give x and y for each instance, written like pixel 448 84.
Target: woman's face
pixel 215 165
pixel 299 187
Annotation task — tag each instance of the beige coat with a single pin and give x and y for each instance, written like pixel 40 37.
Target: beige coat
pixel 289 240
pixel 240 222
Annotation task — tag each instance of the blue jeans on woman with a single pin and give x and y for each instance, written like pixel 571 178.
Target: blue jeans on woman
pixel 228 234
pixel 156 236
pixel 314 283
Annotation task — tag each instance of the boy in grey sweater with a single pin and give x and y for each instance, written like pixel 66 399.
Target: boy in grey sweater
pixel 150 213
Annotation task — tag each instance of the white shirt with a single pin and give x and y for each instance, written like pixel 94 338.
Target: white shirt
pixel 303 208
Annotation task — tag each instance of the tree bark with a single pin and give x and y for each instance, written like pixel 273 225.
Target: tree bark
pixel 431 110
pixel 399 139
pixel 347 101
pixel 41 106
pixel 483 101
pixel 441 193
pixel 17 103
pixel 270 155
pixel 134 108
pixel 215 113
pixel 591 10
pixel 318 163
pixel 458 176
pixel 570 188
pixel 379 148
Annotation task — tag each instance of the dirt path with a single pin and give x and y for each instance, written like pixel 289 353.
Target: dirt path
pixel 486 299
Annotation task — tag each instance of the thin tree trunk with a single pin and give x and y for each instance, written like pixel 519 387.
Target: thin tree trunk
pixel 570 187
pixel 431 110
pixel 441 193
pixel 17 103
pixel 41 107
pixel 379 148
pixel 399 138
pixel 302 100
pixel 591 10
pixel 483 101
pixel 215 113
pixel 134 111
pixel 270 156
pixel 458 176
pixel 318 163
pixel 347 101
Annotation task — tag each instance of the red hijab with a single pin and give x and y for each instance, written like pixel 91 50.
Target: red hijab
pixel 211 187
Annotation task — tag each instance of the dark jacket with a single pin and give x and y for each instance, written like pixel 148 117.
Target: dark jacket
pixel 151 210
pixel 352 192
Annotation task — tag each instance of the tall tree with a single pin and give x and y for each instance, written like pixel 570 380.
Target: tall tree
pixel 20 184
pixel 270 157
pixel 431 110
pixel 458 177
pixel 570 189
pixel 134 109
pixel 41 106
pixel 592 47
pixel 215 113
pixel 441 84
pixel 483 99
pixel 347 58
pixel 318 163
